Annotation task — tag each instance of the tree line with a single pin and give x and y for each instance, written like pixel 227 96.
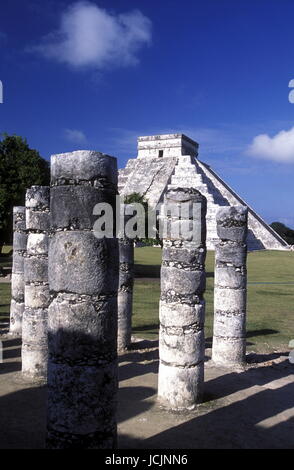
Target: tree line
pixel 20 168
pixel 285 232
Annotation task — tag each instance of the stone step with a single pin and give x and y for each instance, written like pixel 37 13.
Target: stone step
pixel 186 171
pixel 184 181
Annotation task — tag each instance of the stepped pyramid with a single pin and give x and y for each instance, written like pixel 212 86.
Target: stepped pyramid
pixel 171 161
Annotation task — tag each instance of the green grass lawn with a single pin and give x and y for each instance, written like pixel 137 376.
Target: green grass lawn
pixel 5 256
pixel 5 290
pixel 270 321
pixel 6 249
pixel 4 303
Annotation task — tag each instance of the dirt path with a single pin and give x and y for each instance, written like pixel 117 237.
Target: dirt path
pixel 250 408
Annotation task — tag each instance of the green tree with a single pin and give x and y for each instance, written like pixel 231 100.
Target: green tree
pixel 136 197
pixel 284 231
pixel 20 168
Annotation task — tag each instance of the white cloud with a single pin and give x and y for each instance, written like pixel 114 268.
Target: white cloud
pixel 89 36
pixel 75 136
pixel 279 148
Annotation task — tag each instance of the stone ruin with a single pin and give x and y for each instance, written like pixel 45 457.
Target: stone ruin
pixel 182 308
pixel 230 281
pixel 17 276
pixel 82 315
pixel 37 298
pixel 171 161
pixel 125 289
pixel 72 292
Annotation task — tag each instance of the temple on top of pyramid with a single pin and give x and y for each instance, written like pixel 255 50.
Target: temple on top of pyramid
pixel 171 160
pixel 166 145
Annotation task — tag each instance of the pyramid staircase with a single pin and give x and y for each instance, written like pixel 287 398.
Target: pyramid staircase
pixel 170 161
pixel 187 173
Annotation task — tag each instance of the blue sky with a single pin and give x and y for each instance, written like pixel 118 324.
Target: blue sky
pixel 98 74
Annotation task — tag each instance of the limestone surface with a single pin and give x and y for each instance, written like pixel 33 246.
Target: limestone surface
pixel 17 278
pixel 182 310
pixel 125 291
pixel 171 161
pixel 35 318
pixel 229 331
pixel 82 320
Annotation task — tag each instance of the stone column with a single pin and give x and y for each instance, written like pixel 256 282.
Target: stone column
pixel 82 319
pixel 34 327
pixel 17 278
pixel 125 289
pixel 182 307
pixel 229 334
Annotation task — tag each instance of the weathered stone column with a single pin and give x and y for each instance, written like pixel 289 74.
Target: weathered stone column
pixel 229 335
pixel 82 320
pixel 182 307
pixel 125 289
pixel 17 278
pixel 34 326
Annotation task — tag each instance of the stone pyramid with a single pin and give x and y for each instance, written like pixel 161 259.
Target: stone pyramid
pixel 171 160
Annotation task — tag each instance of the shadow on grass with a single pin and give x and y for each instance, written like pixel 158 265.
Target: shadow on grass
pixel 255 358
pixel 153 271
pixel 6 261
pixel 262 332
pixel 6 255
pixel 153 326
pixel 144 270
pixel 270 293
pixel 143 344
pixel 208 342
pixel 209 274
pixel 249 334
